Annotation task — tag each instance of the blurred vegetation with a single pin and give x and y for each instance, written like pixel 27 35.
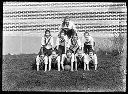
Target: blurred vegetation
pixel 118 43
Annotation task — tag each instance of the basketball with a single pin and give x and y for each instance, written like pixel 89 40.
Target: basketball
pixel 67 67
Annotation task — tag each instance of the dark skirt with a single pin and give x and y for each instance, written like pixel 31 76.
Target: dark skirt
pixel 47 52
pixel 87 48
pixel 61 50
pixel 69 32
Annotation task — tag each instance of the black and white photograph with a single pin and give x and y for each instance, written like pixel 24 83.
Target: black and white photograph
pixel 64 46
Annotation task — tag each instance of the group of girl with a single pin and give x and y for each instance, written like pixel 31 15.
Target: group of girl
pixel 69 53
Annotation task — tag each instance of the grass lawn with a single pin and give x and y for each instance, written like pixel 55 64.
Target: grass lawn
pixel 18 75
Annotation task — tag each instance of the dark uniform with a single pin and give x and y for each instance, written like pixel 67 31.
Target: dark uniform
pixel 46 51
pixel 87 47
pixel 88 44
pixel 80 62
pixel 54 63
pixel 61 49
pixel 67 61
pixel 91 64
pixel 69 32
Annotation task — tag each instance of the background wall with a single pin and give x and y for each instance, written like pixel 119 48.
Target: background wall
pixel 24 22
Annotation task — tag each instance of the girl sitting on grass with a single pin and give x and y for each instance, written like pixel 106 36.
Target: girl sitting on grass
pixel 61 43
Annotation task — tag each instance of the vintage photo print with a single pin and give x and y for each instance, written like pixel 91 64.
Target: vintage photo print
pixel 64 46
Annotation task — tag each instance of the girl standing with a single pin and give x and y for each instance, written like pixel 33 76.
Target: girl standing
pixel 47 43
pixel 61 43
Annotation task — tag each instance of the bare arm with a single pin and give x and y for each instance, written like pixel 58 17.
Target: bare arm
pixel 86 61
pixel 60 27
pixel 72 61
pixel 37 62
pixel 92 42
pixel 75 63
pixel 66 43
pixel 79 43
pixel 62 60
pixel 58 59
pixel 51 40
pixel 42 42
pixel 49 63
pixel 73 26
pixel 46 62
pixel 57 43
pixel 82 43
pixel 96 62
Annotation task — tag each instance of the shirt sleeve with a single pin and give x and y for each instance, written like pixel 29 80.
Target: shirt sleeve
pixel 42 41
pixel 91 40
pixel 57 41
pixel 51 41
pixel 79 43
